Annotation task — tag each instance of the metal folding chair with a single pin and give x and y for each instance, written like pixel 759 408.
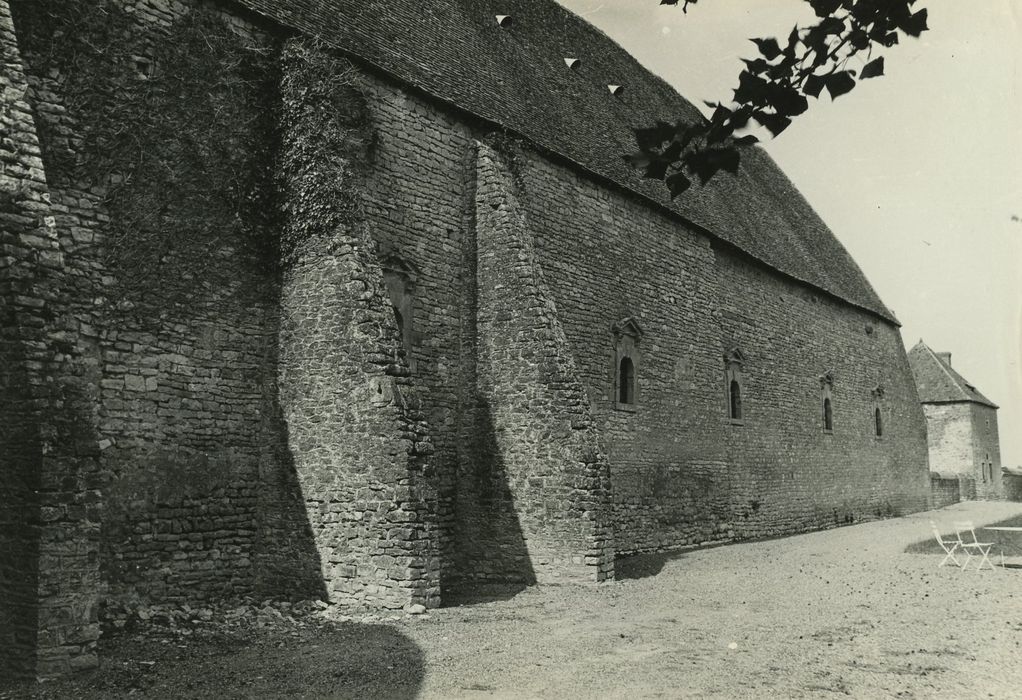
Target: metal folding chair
pixel 970 544
pixel 948 545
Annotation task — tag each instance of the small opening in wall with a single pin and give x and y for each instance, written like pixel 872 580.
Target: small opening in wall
pixel 504 20
pixel 828 416
pixel 143 68
pixel 735 396
pixel 626 381
pixel 878 422
pixel 400 322
pixel 616 90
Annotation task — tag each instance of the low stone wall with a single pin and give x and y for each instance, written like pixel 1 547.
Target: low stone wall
pixel 943 491
pixel 1012 486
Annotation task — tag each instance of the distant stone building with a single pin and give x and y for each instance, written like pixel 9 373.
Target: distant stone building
pixel 384 313
pixel 961 426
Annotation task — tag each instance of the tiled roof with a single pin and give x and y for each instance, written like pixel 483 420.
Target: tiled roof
pixel 516 77
pixel 937 382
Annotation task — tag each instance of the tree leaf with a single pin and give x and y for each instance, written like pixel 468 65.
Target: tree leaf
pixel 873 69
pixel 839 83
pixel 793 42
pixel 776 123
pixel 654 136
pixel 768 47
pixel 915 24
pixel 814 85
pixel 677 183
pixel 745 141
pixel 656 170
pixel 787 100
pixel 832 25
pixel 752 89
pixel 757 65
pixel 859 39
pixel 825 8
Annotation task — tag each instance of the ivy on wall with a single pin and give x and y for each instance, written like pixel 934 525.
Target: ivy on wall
pixel 327 145
pixel 175 129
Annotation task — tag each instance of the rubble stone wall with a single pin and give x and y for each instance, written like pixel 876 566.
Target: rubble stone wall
pixel 543 462
pixel 49 507
pixel 361 451
pixel 420 386
pixel 174 303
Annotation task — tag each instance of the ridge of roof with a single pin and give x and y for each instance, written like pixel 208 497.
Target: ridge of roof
pixel 518 81
pixel 938 382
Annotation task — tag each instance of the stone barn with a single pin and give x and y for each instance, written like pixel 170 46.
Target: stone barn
pixel 961 426
pixel 359 300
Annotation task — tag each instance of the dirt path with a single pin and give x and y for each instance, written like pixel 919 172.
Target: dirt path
pixel 841 613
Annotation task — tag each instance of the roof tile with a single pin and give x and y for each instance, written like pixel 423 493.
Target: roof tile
pixel 515 77
pixel 936 382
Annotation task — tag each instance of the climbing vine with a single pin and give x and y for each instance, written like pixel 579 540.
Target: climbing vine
pixel 175 128
pixel 328 142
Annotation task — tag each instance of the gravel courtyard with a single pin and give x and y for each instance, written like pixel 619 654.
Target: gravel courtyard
pixel 845 612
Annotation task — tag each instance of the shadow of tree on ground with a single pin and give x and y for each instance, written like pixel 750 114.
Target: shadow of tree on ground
pixel 319 660
pixel 1008 543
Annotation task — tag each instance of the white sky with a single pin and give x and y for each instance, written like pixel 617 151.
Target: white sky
pixel 918 172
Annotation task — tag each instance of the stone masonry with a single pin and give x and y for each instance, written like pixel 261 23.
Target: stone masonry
pixel 375 354
pixel 50 511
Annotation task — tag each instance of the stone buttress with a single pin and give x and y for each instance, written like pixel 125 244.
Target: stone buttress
pixel 543 465
pixel 361 454
pixel 50 509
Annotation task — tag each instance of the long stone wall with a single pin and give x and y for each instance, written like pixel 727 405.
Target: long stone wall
pixel 420 389
pixel 682 472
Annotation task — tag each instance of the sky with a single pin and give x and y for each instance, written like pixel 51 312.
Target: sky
pixel 918 172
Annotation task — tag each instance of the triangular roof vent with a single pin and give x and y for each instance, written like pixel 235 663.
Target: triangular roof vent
pixel 504 20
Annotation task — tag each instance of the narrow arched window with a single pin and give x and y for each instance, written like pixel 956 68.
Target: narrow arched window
pixel 399 278
pixel 734 360
pixel 828 416
pixel 627 361
pixel 878 422
pixel 626 381
pixel 735 396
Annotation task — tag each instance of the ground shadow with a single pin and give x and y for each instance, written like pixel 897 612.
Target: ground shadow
pixel 20 477
pixel 490 558
pixel 289 562
pixel 339 659
pixel 639 566
pixel 1008 543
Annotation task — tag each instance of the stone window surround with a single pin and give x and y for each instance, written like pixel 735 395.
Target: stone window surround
pixel 878 412
pixel 734 365
pixel 627 336
pixel 827 402
pixel 399 278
